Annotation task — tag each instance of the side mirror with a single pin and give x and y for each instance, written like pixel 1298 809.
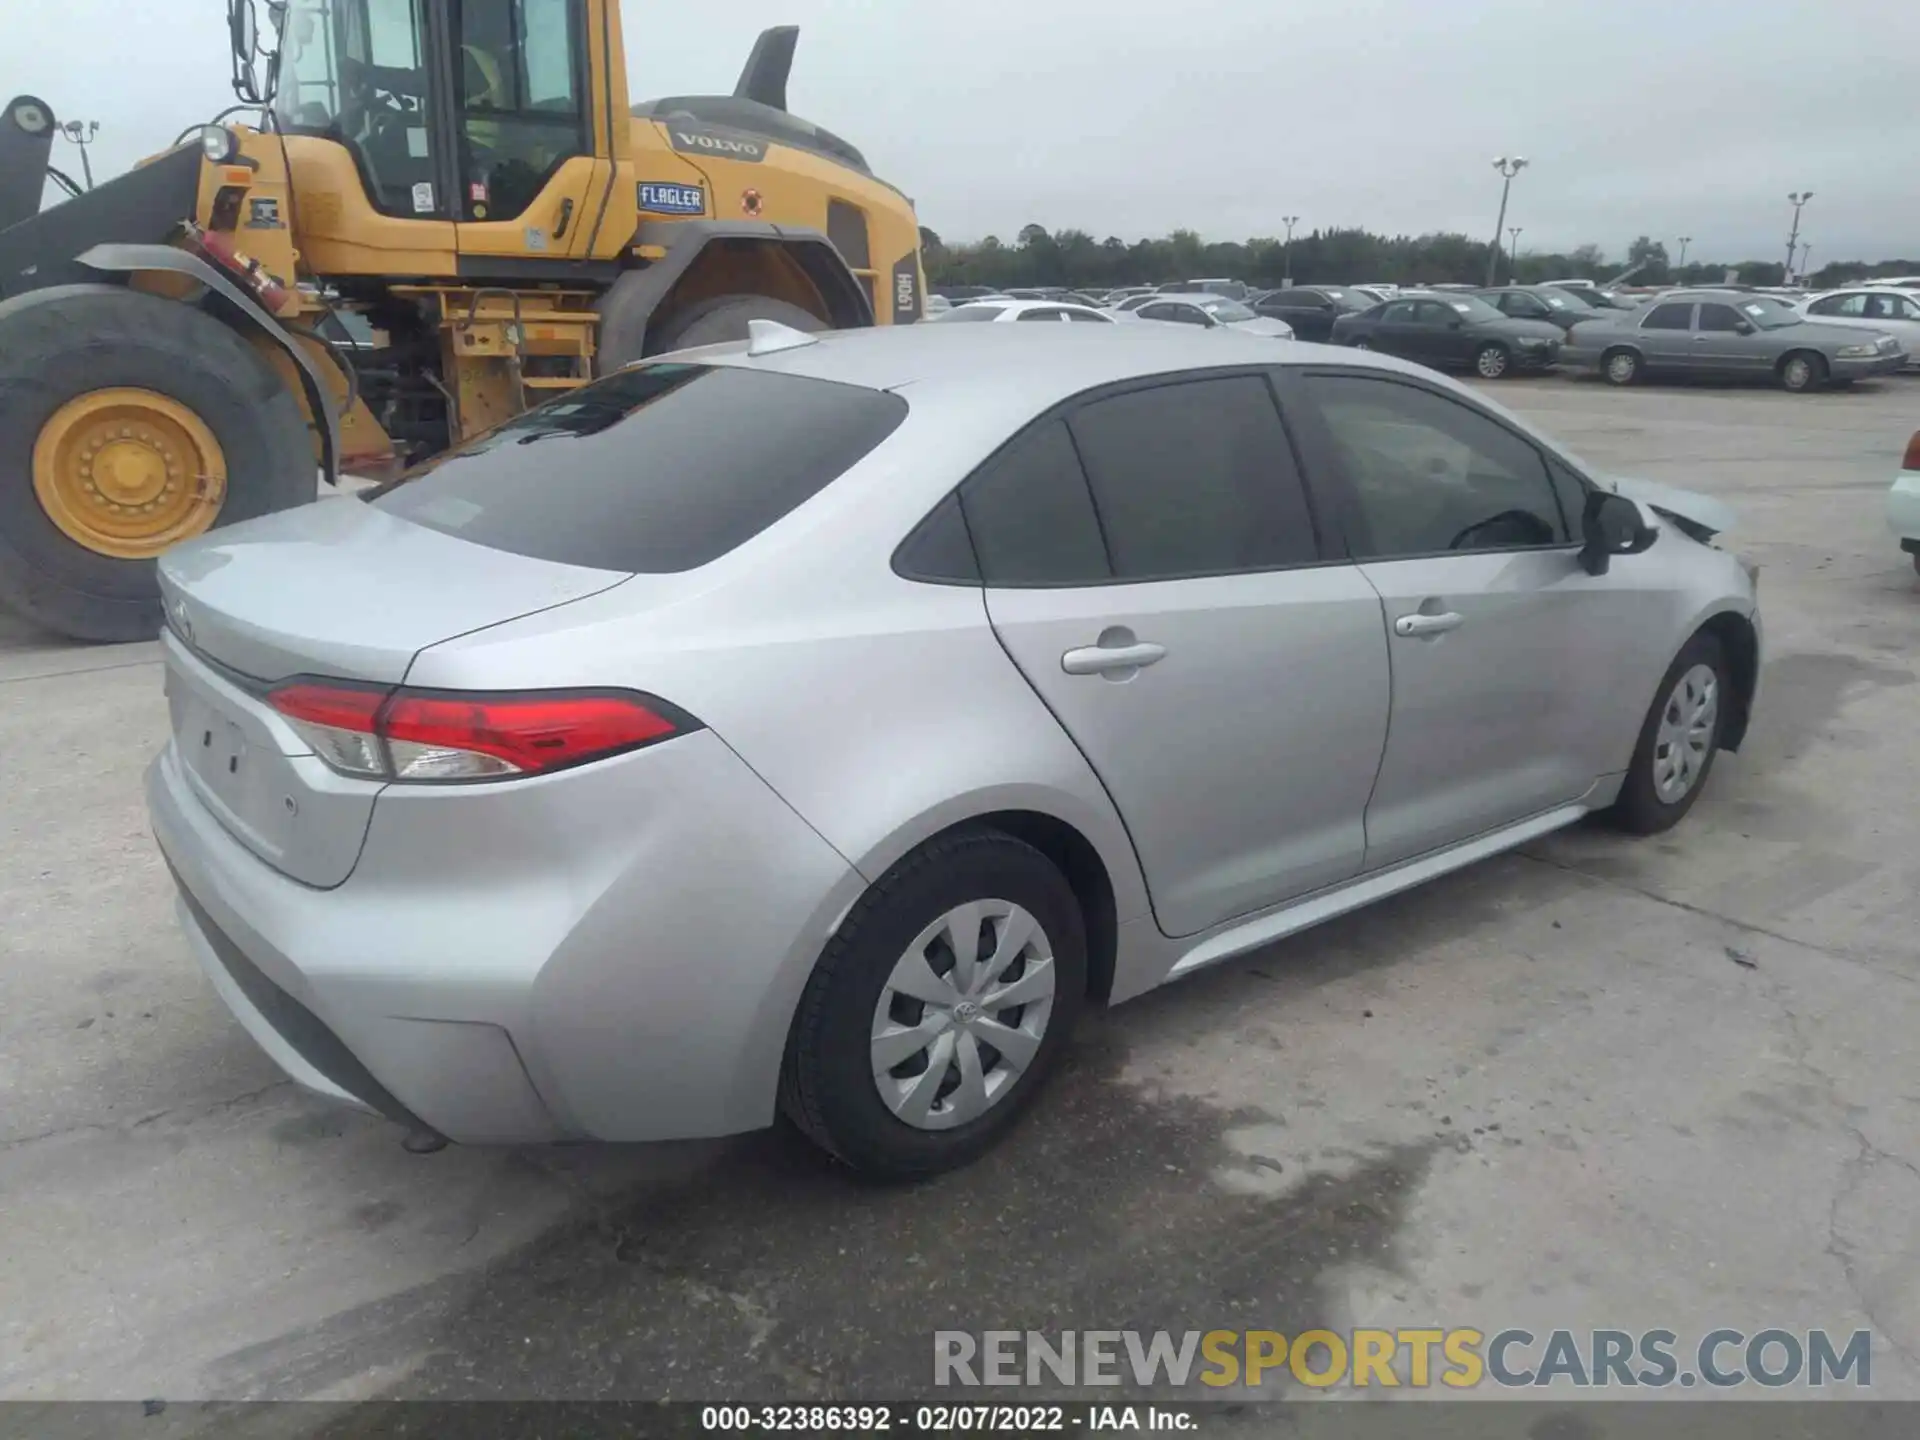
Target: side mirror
pixel 1455 323
pixel 1743 328
pixel 1612 526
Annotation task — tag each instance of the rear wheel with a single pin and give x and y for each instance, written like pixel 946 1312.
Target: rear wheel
pixel 1621 367
pixel 725 318
pixel 1802 370
pixel 939 1008
pixel 129 423
pixel 1490 362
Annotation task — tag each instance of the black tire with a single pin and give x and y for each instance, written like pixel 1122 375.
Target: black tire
pixel 1621 367
pixel 1492 362
pixel 67 340
pixel 1801 370
pixel 1639 810
pixel 724 318
pixel 827 1085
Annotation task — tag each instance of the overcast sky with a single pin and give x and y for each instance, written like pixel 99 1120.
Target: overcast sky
pixel 1663 117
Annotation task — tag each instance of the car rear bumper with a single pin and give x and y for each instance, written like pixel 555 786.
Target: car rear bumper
pixel 610 953
pixel 1903 506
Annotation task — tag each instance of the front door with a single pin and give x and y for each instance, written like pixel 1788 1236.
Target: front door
pixel 1456 523
pixel 1724 341
pixel 528 180
pixel 1152 567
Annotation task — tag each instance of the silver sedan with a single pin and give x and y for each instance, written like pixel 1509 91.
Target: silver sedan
pixel 1728 334
pixel 820 723
pixel 1207 312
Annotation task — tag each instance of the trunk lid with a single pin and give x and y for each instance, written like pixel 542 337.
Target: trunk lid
pixel 343 589
pixel 336 589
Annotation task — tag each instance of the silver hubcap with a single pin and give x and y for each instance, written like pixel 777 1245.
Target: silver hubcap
pixel 1685 738
pixel 1797 373
pixel 1621 367
pixel 1493 363
pixel 962 1015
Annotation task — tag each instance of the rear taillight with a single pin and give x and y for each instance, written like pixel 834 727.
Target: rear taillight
pixel 1911 460
pixel 441 735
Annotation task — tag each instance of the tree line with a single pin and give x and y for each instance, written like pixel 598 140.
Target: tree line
pixel 1039 256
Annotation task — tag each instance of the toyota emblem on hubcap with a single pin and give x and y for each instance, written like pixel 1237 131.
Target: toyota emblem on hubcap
pixel 966 1012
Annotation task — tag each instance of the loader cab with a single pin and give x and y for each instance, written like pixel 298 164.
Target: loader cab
pixel 475 111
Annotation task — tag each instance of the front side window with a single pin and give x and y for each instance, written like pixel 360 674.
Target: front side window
pixel 1675 315
pixel 1720 318
pixel 1839 305
pixel 1195 478
pixel 1429 475
pixel 649 470
pixel 355 71
pixel 520 106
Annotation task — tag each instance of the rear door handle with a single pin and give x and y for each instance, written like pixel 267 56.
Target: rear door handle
pixel 1104 659
pixel 1417 625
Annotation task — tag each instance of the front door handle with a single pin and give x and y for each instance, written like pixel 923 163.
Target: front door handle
pixel 1105 659
pixel 1417 625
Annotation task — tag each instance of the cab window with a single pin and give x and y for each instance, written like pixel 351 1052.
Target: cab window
pixel 521 65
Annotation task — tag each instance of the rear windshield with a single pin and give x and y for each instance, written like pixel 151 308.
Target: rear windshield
pixel 655 469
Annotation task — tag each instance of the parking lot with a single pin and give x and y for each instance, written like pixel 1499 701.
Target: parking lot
pixel 1666 1083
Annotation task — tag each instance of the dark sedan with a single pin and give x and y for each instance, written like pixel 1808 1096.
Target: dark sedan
pixel 1452 332
pixel 1538 302
pixel 1312 309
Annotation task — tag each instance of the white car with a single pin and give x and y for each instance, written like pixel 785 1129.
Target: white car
pixel 996 311
pixel 1881 308
pixel 1209 312
pixel 1903 502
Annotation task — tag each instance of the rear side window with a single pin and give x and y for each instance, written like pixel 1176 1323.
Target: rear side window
pixel 1031 518
pixel 655 469
pixel 1195 478
pixel 1671 316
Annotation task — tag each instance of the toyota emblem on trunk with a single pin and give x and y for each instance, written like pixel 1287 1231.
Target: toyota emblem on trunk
pixel 177 615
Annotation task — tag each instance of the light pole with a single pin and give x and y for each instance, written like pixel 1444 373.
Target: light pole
pixel 1513 255
pixel 1286 253
pixel 1681 263
pixel 1806 249
pixel 1797 199
pixel 81 133
pixel 1508 166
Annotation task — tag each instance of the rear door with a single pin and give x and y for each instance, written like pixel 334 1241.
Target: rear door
pixel 1497 637
pixel 1169 601
pixel 1665 335
pixel 1398 332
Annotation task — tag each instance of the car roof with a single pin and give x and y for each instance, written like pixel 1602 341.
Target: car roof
pixel 1041 363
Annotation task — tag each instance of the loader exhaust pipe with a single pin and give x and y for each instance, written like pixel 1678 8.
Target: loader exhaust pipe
pixel 26 150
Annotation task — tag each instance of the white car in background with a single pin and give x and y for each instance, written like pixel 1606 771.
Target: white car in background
pixel 997 311
pixel 1903 503
pixel 1881 308
pixel 1207 312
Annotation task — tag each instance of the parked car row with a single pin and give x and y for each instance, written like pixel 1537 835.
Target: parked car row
pixel 1803 343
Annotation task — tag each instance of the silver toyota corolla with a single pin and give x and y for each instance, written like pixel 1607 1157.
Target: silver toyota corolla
pixel 818 723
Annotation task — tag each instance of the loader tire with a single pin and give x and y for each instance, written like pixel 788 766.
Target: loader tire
pixel 128 423
pixel 724 318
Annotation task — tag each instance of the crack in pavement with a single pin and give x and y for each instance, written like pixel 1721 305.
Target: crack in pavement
pixel 1610 882
pixel 128 1127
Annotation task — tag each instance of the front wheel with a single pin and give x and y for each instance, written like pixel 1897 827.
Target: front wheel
pixel 1802 371
pixel 1491 362
pixel 1363 343
pixel 939 1008
pixel 1678 741
pixel 129 423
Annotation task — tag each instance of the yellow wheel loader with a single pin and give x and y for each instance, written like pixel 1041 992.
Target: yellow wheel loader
pixel 439 213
